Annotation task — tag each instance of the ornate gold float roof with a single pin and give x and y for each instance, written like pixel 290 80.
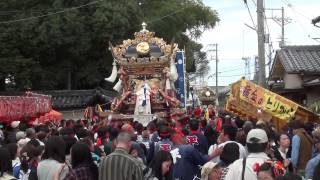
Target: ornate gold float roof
pixel 207 94
pixel 145 48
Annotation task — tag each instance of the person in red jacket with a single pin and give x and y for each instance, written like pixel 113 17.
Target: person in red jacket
pixel 197 112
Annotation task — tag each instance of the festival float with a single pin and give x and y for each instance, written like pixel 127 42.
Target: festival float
pixel 31 107
pixel 252 102
pixel 147 74
pixel 207 96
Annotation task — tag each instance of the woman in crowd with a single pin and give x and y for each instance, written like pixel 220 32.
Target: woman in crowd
pixel 83 166
pixel 29 158
pixel 281 151
pixel 137 152
pixel 229 154
pixel 160 168
pixel 269 170
pixel 89 143
pixel 5 165
pixel 14 151
pixel 52 159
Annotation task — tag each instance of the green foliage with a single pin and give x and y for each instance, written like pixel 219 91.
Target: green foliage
pixel 187 20
pixel 315 107
pixel 40 53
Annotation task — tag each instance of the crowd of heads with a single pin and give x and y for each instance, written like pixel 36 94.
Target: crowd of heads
pixel 82 142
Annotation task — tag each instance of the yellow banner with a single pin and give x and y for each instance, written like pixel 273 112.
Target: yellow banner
pixel 268 101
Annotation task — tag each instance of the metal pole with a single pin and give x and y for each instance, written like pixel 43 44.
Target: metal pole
pixel 217 93
pixel 261 48
pixel 192 101
pixel 282 27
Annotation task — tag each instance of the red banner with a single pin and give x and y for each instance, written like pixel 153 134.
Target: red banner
pixel 17 107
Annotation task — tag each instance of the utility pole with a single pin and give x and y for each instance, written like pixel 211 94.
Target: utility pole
pixel 282 27
pixel 261 41
pixel 270 57
pixel 217 93
pixel 281 21
pixel 256 69
pixel 216 50
pixel 247 67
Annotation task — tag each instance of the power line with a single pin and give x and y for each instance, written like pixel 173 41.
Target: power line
pixel 50 14
pixel 254 3
pixel 237 75
pixel 78 7
pixel 246 4
pixel 229 70
pixel 287 3
pixel 165 16
pixel 297 19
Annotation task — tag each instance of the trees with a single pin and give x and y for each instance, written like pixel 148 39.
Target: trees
pixel 66 47
pixel 186 21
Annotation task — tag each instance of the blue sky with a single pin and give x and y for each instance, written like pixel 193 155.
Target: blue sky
pixel 235 40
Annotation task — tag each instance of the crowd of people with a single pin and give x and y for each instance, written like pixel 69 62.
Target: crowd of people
pixel 186 147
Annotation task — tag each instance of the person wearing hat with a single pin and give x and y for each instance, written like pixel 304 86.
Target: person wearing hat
pixel 12 131
pixel 210 171
pixel 244 168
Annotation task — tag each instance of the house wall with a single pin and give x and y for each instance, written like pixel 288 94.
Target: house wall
pixel 313 94
pixel 297 97
pixel 292 81
pixel 73 114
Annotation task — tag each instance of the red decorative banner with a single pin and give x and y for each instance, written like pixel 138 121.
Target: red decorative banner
pixel 14 108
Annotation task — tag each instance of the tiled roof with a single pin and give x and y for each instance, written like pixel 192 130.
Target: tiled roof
pixel 297 59
pixel 68 99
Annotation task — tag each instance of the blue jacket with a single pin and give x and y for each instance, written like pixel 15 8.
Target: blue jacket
pixel 199 141
pixel 187 161
pixel 164 144
pixel 311 165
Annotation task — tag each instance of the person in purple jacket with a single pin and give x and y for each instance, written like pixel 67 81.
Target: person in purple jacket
pixel 187 159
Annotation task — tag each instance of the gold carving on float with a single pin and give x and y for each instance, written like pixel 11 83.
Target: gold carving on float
pixel 142 42
pixel 143 48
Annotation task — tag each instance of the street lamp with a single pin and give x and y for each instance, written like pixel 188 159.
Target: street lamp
pixel 191 91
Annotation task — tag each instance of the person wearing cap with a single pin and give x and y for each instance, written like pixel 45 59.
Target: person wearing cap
pixel 12 131
pixel 244 168
pixel 187 159
pixel 210 171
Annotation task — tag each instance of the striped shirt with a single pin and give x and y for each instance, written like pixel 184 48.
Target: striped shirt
pixel 119 165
